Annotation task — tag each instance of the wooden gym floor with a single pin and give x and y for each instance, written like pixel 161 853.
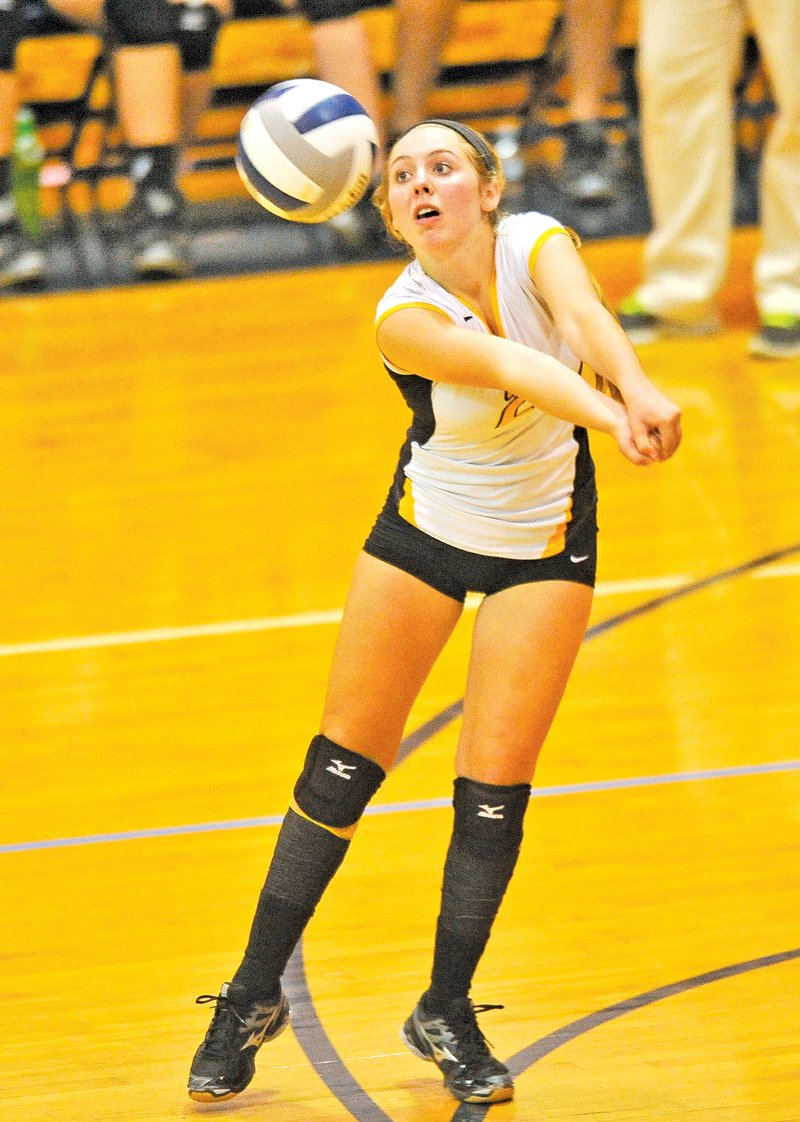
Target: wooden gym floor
pixel 188 473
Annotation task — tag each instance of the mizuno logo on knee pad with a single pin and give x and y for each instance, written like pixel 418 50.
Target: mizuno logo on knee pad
pixel 487 811
pixel 340 769
pixel 336 805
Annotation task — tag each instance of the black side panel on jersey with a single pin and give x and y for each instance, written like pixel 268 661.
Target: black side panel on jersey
pixel 417 393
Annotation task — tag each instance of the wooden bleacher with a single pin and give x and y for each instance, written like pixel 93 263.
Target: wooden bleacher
pixel 489 74
pixel 503 69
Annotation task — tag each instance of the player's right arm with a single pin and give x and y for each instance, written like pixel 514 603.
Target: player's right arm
pixel 424 342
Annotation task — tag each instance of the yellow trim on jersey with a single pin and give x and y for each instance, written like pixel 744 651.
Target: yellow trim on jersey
pixel 558 539
pixel 498 319
pixel 539 242
pixel 544 237
pixel 411 304
pixel 346 832
pixel 421 304
pixel 405 508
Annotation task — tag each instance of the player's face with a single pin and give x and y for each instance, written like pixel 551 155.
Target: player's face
pixel 434 191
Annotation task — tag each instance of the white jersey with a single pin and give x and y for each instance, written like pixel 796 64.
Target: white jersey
pixel 482 469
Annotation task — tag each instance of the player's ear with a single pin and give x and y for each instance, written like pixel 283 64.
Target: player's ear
pixel 490 198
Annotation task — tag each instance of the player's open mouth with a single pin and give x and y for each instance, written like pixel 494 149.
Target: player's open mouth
pixel 424 212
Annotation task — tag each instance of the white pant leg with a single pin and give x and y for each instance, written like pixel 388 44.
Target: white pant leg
pixel 689 54
pixel 777 267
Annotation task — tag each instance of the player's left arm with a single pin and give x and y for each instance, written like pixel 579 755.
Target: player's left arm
pixel 595 336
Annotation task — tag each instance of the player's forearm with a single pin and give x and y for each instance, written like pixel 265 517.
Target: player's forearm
pixel 558 391
pixel 596 338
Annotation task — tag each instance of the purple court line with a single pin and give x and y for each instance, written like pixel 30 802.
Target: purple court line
pixel 408 807
pixel 313 1037
pixel 328 1064
pixel 415 739
pixel 308 1027
pixel 521 1061
pixel 318 1047
pixel 441 720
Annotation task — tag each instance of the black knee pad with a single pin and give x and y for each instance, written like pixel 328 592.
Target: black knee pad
pixel 196 33
pixel 336 784
pixel 192 27
pixel 488 816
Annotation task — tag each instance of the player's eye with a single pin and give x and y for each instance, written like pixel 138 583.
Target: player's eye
pixel 441 167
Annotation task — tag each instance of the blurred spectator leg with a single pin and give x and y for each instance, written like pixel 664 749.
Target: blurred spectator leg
pixel 588 166
pixel 22 262
pixel 689 55
pixel 423 29
pixel 148 91
pixel 162 63
pixel 197 87
pixel 344 57
pixel 777 267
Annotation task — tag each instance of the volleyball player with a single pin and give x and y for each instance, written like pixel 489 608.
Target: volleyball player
pixel 484 334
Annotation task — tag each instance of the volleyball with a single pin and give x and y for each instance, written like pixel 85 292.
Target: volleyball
pixel 306 150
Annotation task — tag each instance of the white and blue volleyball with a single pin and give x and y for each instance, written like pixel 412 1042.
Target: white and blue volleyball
pixel 306 150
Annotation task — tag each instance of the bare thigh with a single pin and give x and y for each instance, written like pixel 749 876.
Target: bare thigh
pixel 86 12
pixel 393 630
pixel 524 646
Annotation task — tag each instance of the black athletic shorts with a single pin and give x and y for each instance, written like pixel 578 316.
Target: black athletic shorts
pixel 455 572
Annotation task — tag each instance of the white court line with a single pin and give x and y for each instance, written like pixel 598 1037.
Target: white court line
pixel 168 634
pixel 313 619
pixel 646 584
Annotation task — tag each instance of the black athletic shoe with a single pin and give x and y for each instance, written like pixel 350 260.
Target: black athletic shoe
pixel 22 263
pixel 153 225
pixel 457 1046
pixel 225 1062
pixel 778 337
pixel 587 174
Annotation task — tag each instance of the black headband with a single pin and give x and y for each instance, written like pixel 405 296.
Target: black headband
pixel 474 139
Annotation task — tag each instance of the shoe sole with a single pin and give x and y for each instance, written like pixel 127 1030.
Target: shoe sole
pixel 28 272
pixel 160 261
pixel 162 272
pixel 229 1092
pixel 210 1097
pixel 499 1095
pixel 756 348
pixel 409 1037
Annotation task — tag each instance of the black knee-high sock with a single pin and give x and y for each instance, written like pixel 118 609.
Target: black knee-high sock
pixel 334 787
pixel 5 175
pixel 305 859
pixel 487 833
pixel 156 167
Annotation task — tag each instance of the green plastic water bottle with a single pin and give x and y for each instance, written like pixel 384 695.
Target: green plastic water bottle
pixel 27 157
